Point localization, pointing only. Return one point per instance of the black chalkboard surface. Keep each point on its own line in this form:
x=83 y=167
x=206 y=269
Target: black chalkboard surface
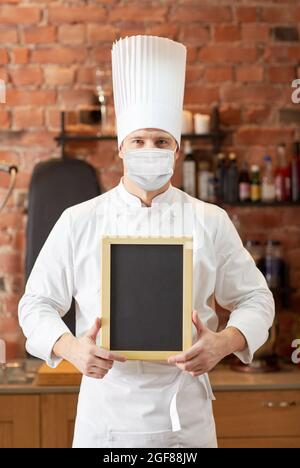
x=146 y=296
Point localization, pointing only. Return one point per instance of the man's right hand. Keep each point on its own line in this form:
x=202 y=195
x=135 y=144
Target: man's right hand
x=84 y=354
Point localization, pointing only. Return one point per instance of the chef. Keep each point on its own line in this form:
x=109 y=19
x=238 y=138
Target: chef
x=135 y=403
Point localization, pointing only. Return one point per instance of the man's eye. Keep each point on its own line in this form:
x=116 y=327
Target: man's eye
x=137 y=141
x=162 y=142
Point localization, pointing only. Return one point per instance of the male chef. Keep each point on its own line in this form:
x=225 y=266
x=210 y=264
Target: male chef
x=135 y=403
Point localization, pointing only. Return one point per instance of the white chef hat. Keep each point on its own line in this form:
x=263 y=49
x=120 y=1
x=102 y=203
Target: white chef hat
x=148 y=82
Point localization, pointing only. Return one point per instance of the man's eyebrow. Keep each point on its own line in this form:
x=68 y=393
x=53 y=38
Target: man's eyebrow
x=158 y=136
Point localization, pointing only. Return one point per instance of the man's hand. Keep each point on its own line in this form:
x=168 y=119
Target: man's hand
x=83 y=353
x=209 y=349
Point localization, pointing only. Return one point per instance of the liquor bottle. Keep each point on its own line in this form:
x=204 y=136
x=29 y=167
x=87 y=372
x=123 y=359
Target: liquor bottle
x=220 y=177
x=282 y=175
x=268 y=181
x=244 y=183
x=255 y=184
x=204 y=181
x=189 y=169
x=295 y=172
x=232 y=180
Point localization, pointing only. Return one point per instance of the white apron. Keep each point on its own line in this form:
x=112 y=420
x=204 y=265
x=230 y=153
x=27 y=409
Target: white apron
x=145 y=404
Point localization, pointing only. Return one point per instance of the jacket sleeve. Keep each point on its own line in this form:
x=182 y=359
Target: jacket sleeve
x=48 y=294
x=242 y=289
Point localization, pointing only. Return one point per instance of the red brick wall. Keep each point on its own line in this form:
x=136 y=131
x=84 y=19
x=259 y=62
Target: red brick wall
x=242 y=56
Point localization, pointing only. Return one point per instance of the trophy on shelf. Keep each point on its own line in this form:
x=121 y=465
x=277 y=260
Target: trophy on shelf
x=103 y=91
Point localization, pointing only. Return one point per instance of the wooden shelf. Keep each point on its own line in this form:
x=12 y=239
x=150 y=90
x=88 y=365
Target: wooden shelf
x=262 y=204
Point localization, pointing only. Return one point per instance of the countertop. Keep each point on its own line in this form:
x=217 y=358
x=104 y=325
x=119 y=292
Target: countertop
x=223 y=379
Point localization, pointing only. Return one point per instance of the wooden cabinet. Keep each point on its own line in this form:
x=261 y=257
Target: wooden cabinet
x=248 y=418
x=19 y=421
x=258 y=418
x=58 y=413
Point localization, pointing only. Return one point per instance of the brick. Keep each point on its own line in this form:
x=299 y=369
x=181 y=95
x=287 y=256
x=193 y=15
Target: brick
x=10 y=263
x=265 y=136
x=30 y=117
x=26 y=76
x=59 y=55
x=19 y=15
x=39 y=35
x=255 y=32
x=194 y=73
x=282 y=53
x=3 y=57
x=164 y=30
x=135 y=13
x=283 y=74
x=205 y=14
x=257 y=94
x=71 y=14
x=227 y=33
x=227 y=54
x=8 y=219
x=39 y=139
x=278 y=14
x=256 y=115
x=218 y=74
x=75 y=97
x=8 y=36
x=199 y=95
x=230 y=115
x=59 y=76
x=195 y=34
x=17 y=97
x=86 y=75
x=71 y=34
x=101 y=54
x=250 y=73
x=4 y=119
x=20 y=56
x=101 y=33
x=245 y=14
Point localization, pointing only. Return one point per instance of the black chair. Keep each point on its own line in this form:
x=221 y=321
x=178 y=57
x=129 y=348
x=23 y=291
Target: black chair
x=55 y=185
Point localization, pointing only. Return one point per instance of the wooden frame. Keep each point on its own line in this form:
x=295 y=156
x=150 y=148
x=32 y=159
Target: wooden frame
x=187 y=243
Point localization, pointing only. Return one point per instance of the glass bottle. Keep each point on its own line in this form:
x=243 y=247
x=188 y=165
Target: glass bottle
x=232 y=180
x=255 y=184
x=244 y=183
x=268 y=181
x=273 y=264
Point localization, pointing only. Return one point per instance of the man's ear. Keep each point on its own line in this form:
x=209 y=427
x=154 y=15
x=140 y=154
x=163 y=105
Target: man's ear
x=121 y=151
x=177 y=151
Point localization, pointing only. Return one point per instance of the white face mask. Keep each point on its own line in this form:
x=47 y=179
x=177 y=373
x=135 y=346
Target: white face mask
x=149 y=168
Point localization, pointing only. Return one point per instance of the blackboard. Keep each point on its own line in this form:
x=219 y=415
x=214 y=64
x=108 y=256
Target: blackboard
x=146 y=296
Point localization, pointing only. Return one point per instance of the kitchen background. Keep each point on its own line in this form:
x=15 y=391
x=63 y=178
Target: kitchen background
x=242 y=59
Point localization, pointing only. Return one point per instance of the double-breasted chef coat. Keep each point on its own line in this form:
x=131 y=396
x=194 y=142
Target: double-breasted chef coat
x=143 y=403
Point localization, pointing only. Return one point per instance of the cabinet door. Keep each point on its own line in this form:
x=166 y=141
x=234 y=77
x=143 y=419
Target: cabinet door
x=19 y=421
x=259 y=416
x=58 y=412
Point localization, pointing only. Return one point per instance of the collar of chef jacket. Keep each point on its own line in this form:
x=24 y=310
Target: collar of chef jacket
x=130 y=199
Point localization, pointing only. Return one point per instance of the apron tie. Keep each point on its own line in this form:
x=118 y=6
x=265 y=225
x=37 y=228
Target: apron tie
x=174 y=416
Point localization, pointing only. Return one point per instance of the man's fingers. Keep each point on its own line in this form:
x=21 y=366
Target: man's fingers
x=106 y=354
x=185 y=356
x=101 y=363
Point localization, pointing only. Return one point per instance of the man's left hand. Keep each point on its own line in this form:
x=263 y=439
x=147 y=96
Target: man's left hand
x=209 y=349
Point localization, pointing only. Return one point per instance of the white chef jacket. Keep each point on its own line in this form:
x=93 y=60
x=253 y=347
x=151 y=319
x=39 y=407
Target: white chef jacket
x=69 y=266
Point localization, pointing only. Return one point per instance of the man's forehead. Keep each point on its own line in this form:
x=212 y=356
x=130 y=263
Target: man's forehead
x=149 y=133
